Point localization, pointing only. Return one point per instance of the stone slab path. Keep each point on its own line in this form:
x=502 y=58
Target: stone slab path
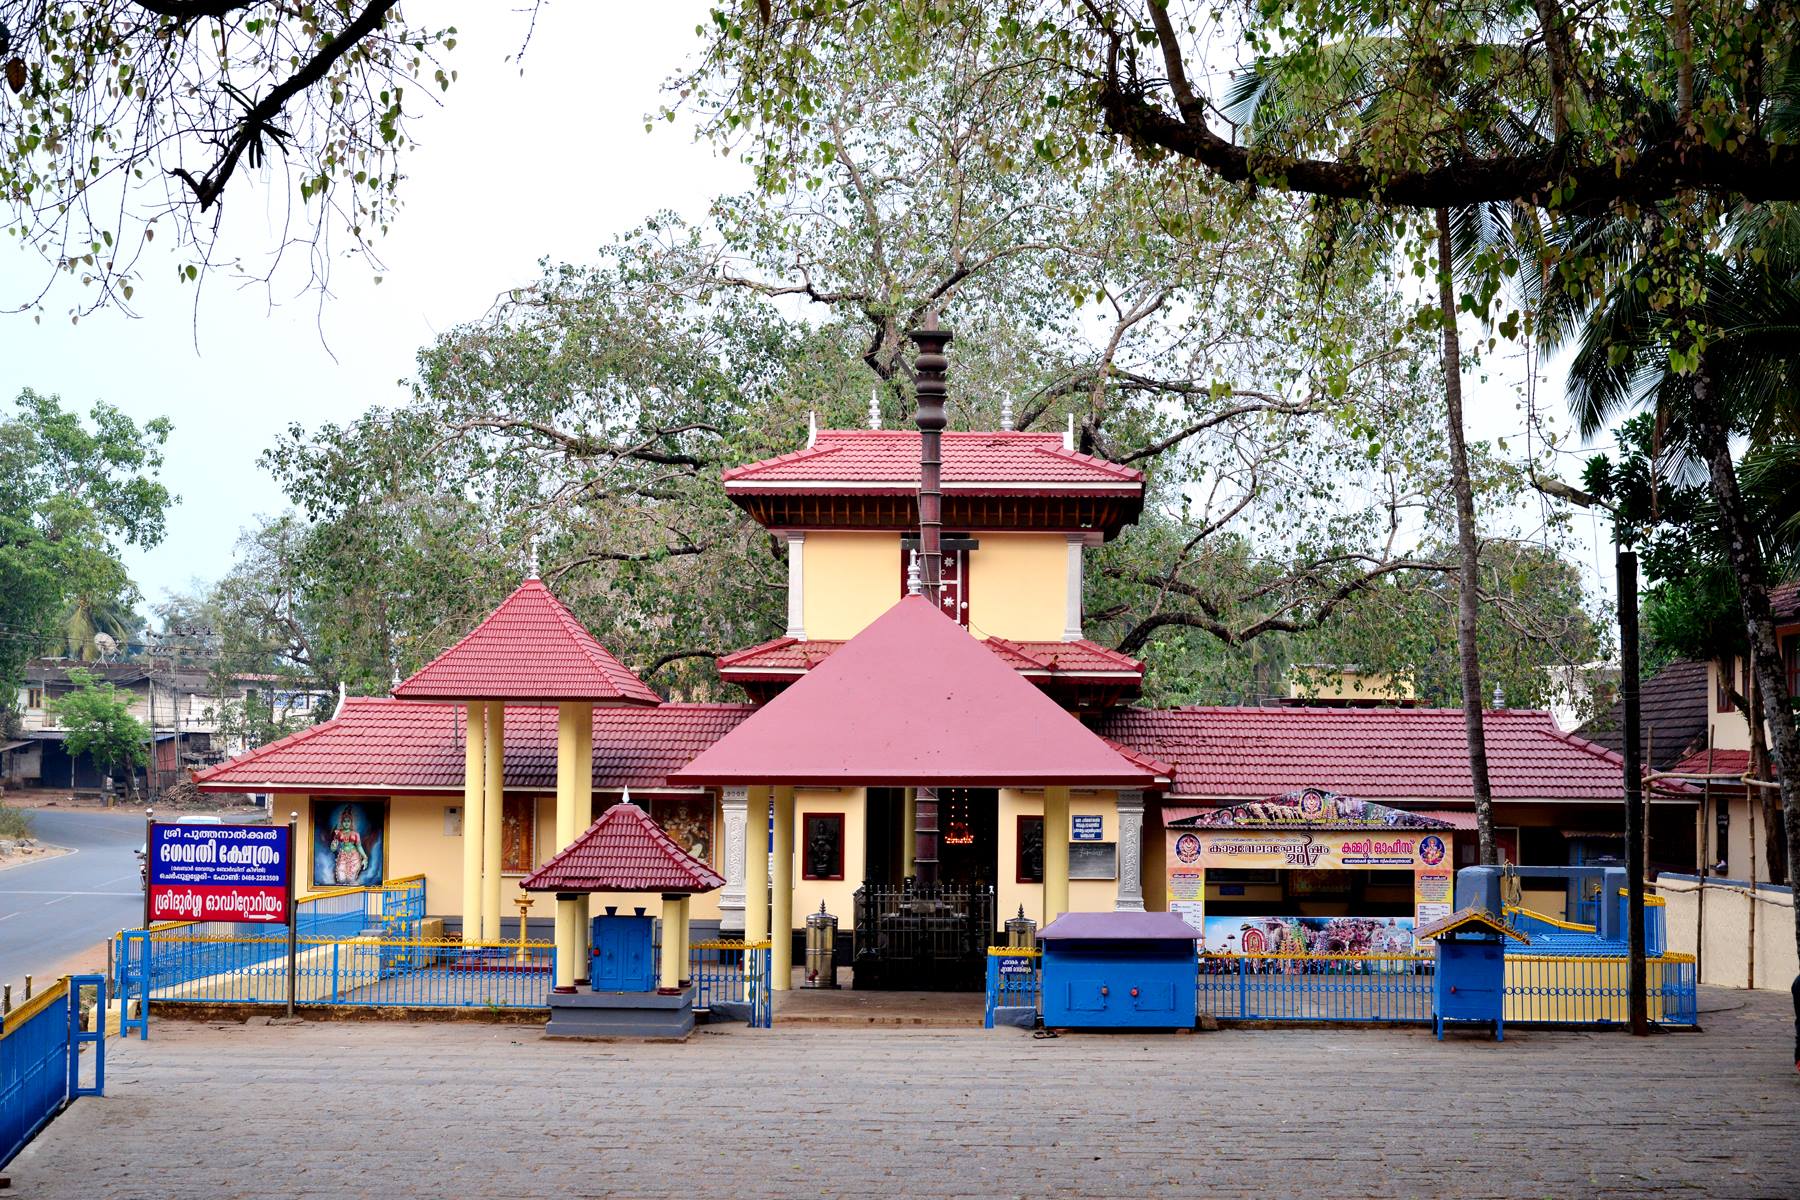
x=348 y=1109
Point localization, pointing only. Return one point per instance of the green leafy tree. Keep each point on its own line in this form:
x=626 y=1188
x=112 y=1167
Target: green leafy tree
x=100 y=725
x=124 y=118
x=72 y=493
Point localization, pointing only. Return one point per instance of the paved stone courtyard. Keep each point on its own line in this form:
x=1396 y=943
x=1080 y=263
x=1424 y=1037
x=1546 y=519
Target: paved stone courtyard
x=345 y=1109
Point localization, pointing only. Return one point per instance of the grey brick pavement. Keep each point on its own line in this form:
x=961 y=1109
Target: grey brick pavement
x=461 y=1110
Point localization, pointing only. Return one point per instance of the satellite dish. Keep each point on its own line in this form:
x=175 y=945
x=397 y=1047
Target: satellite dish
x=105 y=644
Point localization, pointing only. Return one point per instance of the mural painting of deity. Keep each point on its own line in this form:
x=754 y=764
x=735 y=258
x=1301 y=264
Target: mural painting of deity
x=349 y=842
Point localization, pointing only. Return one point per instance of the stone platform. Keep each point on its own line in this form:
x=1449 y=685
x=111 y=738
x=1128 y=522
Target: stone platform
x=584 y=1014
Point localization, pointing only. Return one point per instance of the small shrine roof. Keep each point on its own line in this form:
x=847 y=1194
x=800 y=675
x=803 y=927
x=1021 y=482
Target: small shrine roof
x=1468 y=920
x=623 y=851
x=876 y=461
x=914 y=700
x=1119 y=927
x=529 y=650
x=379 y=745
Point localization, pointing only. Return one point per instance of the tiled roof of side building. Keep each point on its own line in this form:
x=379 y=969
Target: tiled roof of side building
x=377 y=744
x=623 y=851
x=529 y=649
x=1784 y=602
x=888 y=459
x=1673 y=708
x=1374 y=753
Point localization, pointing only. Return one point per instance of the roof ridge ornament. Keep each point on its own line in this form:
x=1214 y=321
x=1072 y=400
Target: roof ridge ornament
x=874 y=408
x=1069 y=437
x=812 y=428
x=912 y=574
x=1006 y=413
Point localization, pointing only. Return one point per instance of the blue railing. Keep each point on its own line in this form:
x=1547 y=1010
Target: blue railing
x=1385 y=988
x=40 y=1059
x=734 y=974
x=1014 y=981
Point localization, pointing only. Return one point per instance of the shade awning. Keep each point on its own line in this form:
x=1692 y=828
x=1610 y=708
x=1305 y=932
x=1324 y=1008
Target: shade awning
x=913 y=700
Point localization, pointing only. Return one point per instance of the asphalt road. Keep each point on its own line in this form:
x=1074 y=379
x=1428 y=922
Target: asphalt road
x=51 y=911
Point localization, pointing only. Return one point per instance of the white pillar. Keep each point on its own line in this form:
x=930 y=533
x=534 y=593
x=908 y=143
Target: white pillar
x=735 y=803
x=1072 y=598
x=796 y=551
x=1131 y=837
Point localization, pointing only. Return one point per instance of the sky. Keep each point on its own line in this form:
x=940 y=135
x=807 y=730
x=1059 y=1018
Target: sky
x=550 y=161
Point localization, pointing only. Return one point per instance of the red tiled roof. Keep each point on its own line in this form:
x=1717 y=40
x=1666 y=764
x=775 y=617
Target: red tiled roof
x=530 y=649
x=1719 y=762
x=913 y=699
x=376 y=744
x=792 y=655
x=887 y=461
x=1784 y=601
x=1375 y=753
x=623 y=851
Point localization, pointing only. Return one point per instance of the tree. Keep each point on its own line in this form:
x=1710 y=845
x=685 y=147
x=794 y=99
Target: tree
x=100 y=725
x=126 y=116
x=71 y=494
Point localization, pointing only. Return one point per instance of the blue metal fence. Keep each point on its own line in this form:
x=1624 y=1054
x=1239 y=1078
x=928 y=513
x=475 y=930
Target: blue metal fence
x=1317 y=987
x=40 y=1059
x=733 y=973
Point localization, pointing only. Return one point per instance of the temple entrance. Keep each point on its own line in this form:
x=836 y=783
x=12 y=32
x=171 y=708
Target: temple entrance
x=912 y=937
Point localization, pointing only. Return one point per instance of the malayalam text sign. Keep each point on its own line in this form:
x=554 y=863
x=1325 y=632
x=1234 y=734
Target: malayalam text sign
x=220 y=873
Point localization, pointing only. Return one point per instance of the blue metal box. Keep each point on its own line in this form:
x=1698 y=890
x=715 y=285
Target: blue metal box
x=1119 y=970
x=1470 y=983
x=622 y=957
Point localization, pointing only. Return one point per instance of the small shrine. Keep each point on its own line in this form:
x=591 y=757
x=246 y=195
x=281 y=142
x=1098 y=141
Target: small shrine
x=625 y=851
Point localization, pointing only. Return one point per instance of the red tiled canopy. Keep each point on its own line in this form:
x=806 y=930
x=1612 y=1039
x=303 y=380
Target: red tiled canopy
x=913 y=700
x=530 y=650
x=882 y=461
x=624 y=851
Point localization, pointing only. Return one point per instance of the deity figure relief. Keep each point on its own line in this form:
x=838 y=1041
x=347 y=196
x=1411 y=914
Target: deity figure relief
x=689 y=830
x=348 y=858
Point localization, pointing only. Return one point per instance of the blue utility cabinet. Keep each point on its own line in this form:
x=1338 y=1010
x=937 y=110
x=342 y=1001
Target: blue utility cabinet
x=1470 y=981
x=622 y=957
x=1119 y=970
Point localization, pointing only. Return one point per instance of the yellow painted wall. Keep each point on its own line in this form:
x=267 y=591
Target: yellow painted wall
x=838 y=895
x=1085 y=895
x=1730 y=731
x=1348 y=683
x=848 y=579
x=1018 y=587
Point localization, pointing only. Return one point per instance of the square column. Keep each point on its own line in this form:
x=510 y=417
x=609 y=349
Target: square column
x=491 y=820
x=474 y=802
x=1072 y=596
x=1131 y=852
x=908 y=848
x=781 y=899
x=756 y=866
x=734 y=803
x=796 y=611
x=683 y=938
x=568 y=911
x=1056 y=853
x=669 y=964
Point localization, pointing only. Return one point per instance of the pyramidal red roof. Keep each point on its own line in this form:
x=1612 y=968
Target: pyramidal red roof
x=885 y=460
x=913 y=700
x=530 y=650
x=624 y=851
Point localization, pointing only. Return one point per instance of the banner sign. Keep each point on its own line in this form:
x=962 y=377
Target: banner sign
x=1086 y=827
x=219 y=873
x=1309 y=851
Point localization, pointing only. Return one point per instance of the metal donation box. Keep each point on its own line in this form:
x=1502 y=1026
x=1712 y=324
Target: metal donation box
x=1470 y=984
x=623 y=959
x=1119 y=970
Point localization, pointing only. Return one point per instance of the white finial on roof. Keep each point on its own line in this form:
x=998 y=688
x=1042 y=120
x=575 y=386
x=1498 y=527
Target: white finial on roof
x=812 y=428
x=1069 y=437
x=1006 y=413
x=531 y=563
x=339 y=710
x=913 y=582
x=874 y=408
x=625 y=796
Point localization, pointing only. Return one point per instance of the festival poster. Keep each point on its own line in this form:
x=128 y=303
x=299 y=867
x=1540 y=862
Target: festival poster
x=1307 y=935
x=349 y=842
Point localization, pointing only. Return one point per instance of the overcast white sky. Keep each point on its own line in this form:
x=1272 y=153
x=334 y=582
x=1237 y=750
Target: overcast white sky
x=513 y=168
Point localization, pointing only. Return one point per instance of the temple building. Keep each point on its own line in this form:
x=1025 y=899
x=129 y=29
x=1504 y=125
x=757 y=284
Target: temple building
x=930 y=746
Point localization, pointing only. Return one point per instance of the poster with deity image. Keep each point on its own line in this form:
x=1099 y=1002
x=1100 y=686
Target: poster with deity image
x=518 y=835
x=688 y=820
x=349 y=842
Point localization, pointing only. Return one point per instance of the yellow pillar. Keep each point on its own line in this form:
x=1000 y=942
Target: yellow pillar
x=568 y=949
x=490 y=823
x=1056 y=853
x=908 y=844
x=668 y=975
x=756 y=866
x=781 y=897
x=683 y=934
x=581 y=778
x=474 y=793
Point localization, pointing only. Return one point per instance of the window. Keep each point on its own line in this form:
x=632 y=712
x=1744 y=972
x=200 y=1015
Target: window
x=953 y=568
x=822 y=846
x=34 y=697
x=1790 y=657
x=518 y=835
x=1030 y=850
